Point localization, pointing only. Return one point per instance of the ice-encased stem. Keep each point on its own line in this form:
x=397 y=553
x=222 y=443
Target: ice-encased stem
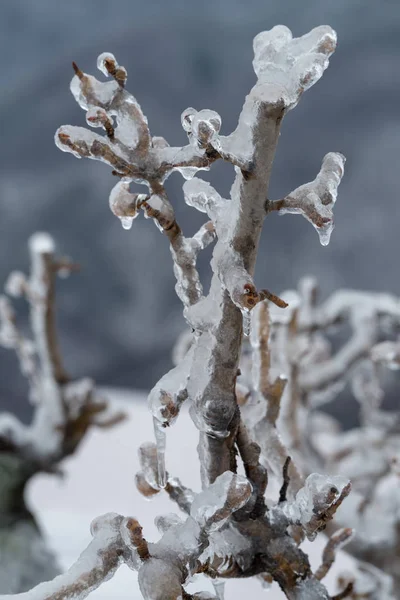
x=212 y=383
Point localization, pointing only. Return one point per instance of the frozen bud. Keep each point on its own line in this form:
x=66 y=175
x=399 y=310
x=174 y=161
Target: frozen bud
x=322 y=491
x=41 y=243
x=124 y=204
x=204 y=126
x=144 y=486
x=96 y=117
x=187 y=118
x=105 y=62
x=163 y=406
x=108 y=65
x=15 y=284
x=63 y=141
x=246 y=297
x=316 y=502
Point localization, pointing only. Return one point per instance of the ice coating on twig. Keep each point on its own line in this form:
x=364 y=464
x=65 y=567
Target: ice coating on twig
x=315 y=200
x=165 y=400
x=288 y=65
x=148 y=479
x=97 y=563
x=285 y=68
x=10 y=337
x=319 y=499
x=63 y=410
x=201 y=195
x=214 y=506
x=124 y=204
x=261 y=414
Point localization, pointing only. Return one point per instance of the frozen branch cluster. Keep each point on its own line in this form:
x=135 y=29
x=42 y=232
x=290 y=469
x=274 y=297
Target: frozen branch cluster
x=63 y=410
x=298 y=344
x=229 y=529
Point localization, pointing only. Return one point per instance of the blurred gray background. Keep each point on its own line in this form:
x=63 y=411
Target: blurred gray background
x=119 y=316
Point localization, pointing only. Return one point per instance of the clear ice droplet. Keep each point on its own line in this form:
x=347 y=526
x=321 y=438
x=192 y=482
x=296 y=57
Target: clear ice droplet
x=126 y=222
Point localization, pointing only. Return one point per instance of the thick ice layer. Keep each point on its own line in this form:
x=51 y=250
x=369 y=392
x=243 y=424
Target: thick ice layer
x=214 y=506
x=316 y=497
x=289 y=66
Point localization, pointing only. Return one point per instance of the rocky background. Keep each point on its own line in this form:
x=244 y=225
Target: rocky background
x=119 y=316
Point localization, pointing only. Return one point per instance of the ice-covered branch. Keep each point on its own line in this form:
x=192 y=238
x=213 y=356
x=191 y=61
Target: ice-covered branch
x=163 y=566
x=306 y=345
x=316 y=503
x=366 y=453
x=316 y=377
x=63 y=410
x=230 y=507
x=230 y=265
x=315 y=200
x=262 y=415
x=98 y=563
x=128 y=146
x=285 y=68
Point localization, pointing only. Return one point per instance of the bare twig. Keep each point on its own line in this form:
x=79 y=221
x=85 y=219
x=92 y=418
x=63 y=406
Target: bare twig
x=286 y=480
x=336 y=541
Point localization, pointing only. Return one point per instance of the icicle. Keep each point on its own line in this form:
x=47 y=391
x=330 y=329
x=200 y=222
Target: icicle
x=219 y=587
x=246 y=322
x=266 y=581
x=159 y=432
x=324 y=232
x=126 y=222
